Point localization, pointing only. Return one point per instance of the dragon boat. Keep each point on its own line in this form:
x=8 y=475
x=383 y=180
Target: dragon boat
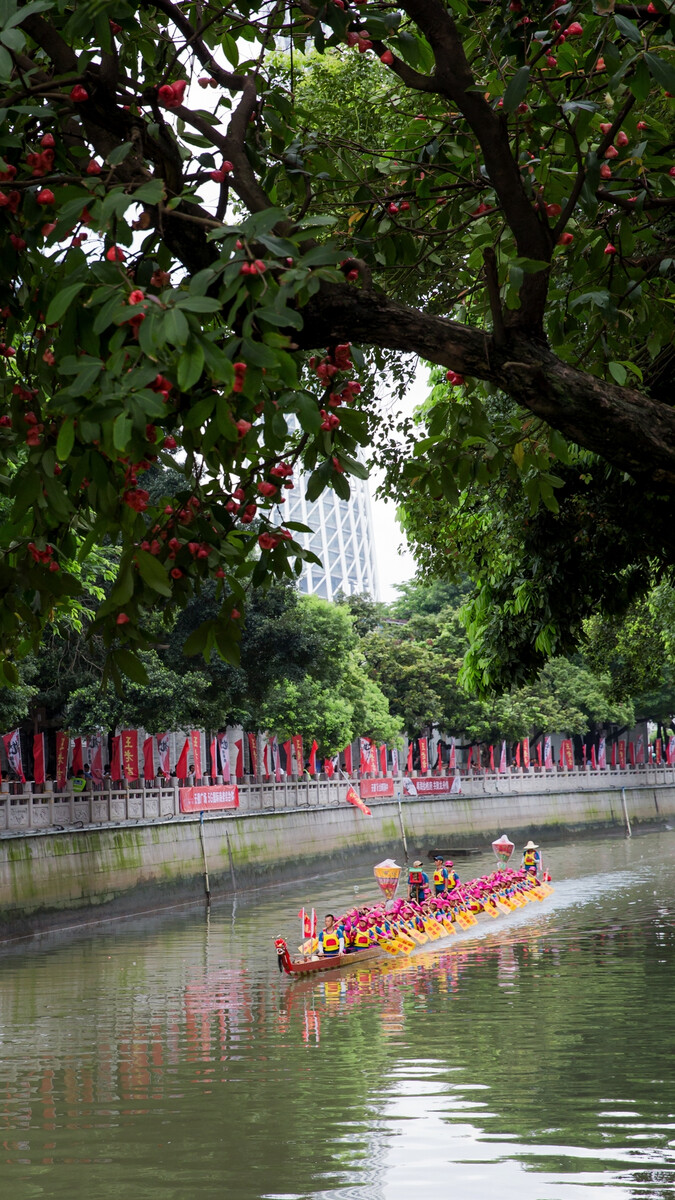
x=400 y=927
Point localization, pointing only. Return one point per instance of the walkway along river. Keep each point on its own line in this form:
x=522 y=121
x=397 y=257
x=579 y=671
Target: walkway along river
x=132 y=850
x=167 y=1058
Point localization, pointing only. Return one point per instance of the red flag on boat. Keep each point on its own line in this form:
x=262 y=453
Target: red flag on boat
x=308 y=923
x=349 y=760
x=148 y=759
x=539 y=753
x=658 y=747
x=182 y=764
x=312 y=757
x=39 y=757
x=353 y=797
x=163 y=753
x=77 y=761
x=526 y=753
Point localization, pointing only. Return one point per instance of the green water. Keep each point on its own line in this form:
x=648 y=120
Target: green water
x=166 y=1058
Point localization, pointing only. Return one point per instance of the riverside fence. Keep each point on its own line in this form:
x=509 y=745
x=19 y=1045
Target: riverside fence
x=51 y=810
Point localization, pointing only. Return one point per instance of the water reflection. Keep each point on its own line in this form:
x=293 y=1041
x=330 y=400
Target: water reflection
x=169 y=1056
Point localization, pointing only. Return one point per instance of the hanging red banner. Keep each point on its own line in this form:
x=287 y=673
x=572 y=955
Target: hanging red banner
x=289 y=759
x=349 y=761
x=569 y=754
x=253 y=752
x=409 y=761
x=95 y=752
x=424 y=755
x=492 y=758
x=622 y=756
x=224 y=751
x=77 y=763
x=163 y=751
x=299 y=756
x=198 y=799
x=239 y=766
x=383 y=759
x=62 y=748
x=526 y=753
x=196 y=743
x=517 y=755
x=370 y=788
x=130 y=753
x=148 y=759
x=116 y=761
x=312 y=757
x=182 y=764
x=658 y=751
x=39 y=757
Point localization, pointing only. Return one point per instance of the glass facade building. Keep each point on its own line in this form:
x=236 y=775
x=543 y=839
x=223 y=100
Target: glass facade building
x=342 y=537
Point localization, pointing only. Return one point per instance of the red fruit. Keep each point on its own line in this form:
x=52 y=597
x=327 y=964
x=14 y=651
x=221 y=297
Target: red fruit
x=482 y=207
x=122 y=619
x=176 y=573
x=672 y=172
x=609 y=249
x=79 y=94
x=453 y=378
x=387 y=58
x=621 y=138
x=48 y=141
x=93 y=168
x=565 y=239
x=54 y=566
x=204 y=81
x=17 y=242
x=115 y=254
x=171 y=94
x=260 y=266
x=404 y=207
x=137 y=296
x=551 y=61
x=392 y=208
x=605 y=171
x=243 y=428
x=5 y=422
x=169 y=442
x=8 y=175
x=605 y=127
x=235 y=614
x=353 y=275
x=217 y=176
x=267 y=541
x=267 y=489
x=611 y=152
x=642 y=125
x=574 y=30
x=114 y=27
x=651 y=8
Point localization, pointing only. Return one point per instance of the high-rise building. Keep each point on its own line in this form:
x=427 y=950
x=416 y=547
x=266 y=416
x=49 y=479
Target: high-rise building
x=342 y=537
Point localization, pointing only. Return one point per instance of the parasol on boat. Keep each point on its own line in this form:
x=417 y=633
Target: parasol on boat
x=503 y=849
x=387 y=874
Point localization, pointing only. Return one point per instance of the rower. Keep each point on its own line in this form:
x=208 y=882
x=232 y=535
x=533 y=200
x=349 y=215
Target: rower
x=531 y=859
x=417 y=882
x=452 y=876
x=440 y=875
x=331 y=938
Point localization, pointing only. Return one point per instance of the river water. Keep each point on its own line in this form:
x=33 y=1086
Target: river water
x=164 y=1057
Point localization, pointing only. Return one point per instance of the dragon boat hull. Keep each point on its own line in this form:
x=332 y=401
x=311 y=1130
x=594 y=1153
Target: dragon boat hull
x=313 y=966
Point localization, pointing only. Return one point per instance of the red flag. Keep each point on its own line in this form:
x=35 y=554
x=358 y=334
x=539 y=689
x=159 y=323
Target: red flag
x=424 y=755
x=452 y=760
x=148 y=759
x=276 y=759
x=289 y=759
x=253 y=751
x=328 y=768
x=224 y=751
x=622 y=755
x=409 y=763
x=492 y=758
x=62 y=747
x=569 y=754
x=349 y=761
x=364 y=753
x=383 y=759
x=468 y=761
x=631 y=754
x=526 y=753
x=77 y=761
x=613 y=754
x=239 y=768
x=196 y=740
x=13 y=751
x=517 y=754
x=658 y=751
x=116 y=760
x=39 y=757
x=130 y=753
x=163 y=753
x=502 y=758
x=214 y=758
x=353 y=797
x=594 y=761
x=266 y=768
x=539 y=753
x=299 y=755
x=312 y=757
x=182 y=764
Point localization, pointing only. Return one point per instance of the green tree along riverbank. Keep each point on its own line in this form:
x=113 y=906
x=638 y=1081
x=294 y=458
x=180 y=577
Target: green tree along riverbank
x=219 y=257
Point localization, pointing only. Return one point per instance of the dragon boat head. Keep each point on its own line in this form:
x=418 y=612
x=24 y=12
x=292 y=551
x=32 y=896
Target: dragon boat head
x=283 y=957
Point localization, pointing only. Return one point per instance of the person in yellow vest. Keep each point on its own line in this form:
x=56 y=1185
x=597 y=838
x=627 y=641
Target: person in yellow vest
x=331 y=938
x=531 y=859
x=440 y=875
x=417 y=882
x=78 y=783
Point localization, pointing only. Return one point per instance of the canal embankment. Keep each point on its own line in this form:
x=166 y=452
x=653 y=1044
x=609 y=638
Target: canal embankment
x=151 y=855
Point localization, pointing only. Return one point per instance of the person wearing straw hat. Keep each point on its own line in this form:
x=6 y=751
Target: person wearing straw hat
x=531 y=859
x=418 y=881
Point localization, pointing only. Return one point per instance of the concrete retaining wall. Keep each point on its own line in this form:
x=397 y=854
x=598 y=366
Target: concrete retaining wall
x=47 y=879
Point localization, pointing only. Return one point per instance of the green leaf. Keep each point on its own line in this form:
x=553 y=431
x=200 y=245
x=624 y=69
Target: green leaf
x=62 y=302
x=122 y=432
x=151 y=192
x=153 y=573
x=130 y=665
x=198 y=304
x=119 y=154
x=190 y=365
x=618 y=372
x=516 y=89
x=628 y=29
x=660 y=70
x=308 y=413
x=66 y=439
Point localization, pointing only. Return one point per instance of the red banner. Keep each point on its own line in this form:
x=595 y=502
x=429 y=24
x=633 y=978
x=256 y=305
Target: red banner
x=328 y=768
x=182 y=764
x=383 y=759
x=289 y=759
x=239 y=766
x=370 y=788
x=569 y=754
x=198 y=799
x=253 y=752
x=116 y=761
x=62 y=747
x=409 y=763
x=39 y=757
x=196 y=743
x=492 y=758
x=353 y=797
x=130 y=753
x=224 y=751
x=349 y=761
x=299 y=756
x=77 y=763
x=622 y=756
x=517 y=755
x=631 y=754
x=95 y=752
x=312 y=757
x=658 y=751
x=613 y=754
x=452 y=759
x=526 y=753
x=424 y=755
x=148 y=759
x=163 y=753
x=434 y=787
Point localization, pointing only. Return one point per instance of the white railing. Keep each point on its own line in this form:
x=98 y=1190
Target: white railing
x=30 y=808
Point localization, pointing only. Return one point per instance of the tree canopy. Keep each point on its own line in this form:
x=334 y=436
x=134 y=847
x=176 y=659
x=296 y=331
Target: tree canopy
x=204 y=268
